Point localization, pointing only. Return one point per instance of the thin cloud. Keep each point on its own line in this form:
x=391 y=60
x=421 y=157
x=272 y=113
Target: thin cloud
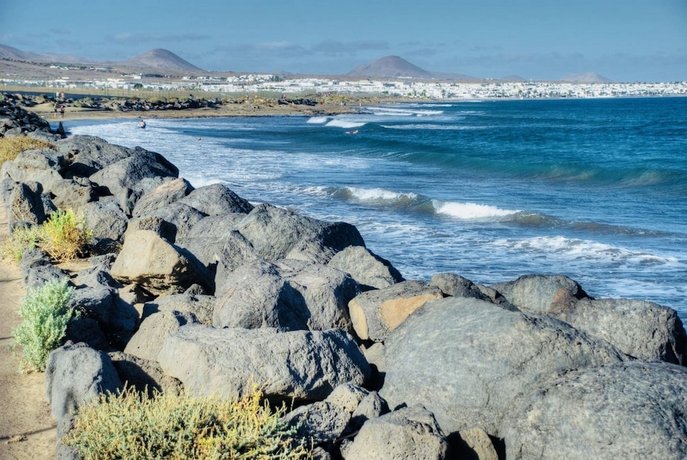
x=339 y=48
x=127 y=38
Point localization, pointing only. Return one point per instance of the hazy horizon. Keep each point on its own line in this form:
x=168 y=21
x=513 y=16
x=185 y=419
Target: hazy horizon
x=621 y=40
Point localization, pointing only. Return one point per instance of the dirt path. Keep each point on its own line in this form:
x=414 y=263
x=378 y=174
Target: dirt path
x=27 y=430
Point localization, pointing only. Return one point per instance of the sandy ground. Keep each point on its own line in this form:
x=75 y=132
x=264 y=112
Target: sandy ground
x=27 y=430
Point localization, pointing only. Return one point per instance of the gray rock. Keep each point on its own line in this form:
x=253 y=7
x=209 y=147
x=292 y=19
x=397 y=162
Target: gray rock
x=161 y=227
x=217 y=199
x=40 y=166
x=641 y=329
x=266 y=295
x=276 y=233
x=181 y=216
x=237 y=251
x=299 y=365
x=106 y=220
x=367 y=268
x=456 y=286
x=147 y=341
x=411 y=432
x=476 y=444
x=480 y=359
x=72 y=193
x=74 y=376
x=145 y=376
x=128 y=179
x=624 y=410
x=206 y=238
x=87 y=330
x=161 y=196
x=157 y=265
x=26 y=205
x=542 y=294
x=38 y=275
x=199 y=305
x=85 y=155
x=32 y=258
x=376 y=313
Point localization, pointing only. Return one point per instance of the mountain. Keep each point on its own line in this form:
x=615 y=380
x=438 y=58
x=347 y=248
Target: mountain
x=389 y=66
x=14 y=54
x=588 y=77
x=161 y=59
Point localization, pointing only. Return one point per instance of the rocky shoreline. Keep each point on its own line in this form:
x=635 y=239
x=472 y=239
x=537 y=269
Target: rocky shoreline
x=198 y=290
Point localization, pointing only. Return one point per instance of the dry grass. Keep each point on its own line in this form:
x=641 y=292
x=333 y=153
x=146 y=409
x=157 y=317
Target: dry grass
x=12 y=146
x=137 y=427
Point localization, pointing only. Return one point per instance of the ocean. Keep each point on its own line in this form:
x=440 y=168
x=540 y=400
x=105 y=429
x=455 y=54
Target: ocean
x=595 y=189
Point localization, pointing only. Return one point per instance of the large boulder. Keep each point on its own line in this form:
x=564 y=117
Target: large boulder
x=408 y=433
x=151 y=334
x=86 y=155
x=217 y=199
x=290 y=298
x=161 y=196
x=42 y=166
x=275 y=233
x=76 y=375
x=181 y=216
x=26 y=205
x=199 y=305
x=128 y=179
x=143 y=375
x=366 y=267
x=376 y=313
x=644 y=330
x=480 y=359
x=106 y=220
x=298 y=365
x=454 y=285
x=150 y=261
x=206 y=238
x=623 y=410
x=542 y=294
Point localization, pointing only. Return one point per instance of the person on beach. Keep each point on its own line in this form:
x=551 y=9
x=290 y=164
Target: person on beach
x=62 y=110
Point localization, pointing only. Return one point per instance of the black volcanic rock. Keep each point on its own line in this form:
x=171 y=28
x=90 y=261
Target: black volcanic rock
x=390 y=66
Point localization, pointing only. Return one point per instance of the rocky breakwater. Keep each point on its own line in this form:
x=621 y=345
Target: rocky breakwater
x=199 y=289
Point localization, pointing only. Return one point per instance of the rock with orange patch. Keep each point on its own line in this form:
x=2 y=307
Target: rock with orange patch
x=376 y=313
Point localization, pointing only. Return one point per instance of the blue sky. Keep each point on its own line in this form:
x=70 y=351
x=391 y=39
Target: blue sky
x=629 y=40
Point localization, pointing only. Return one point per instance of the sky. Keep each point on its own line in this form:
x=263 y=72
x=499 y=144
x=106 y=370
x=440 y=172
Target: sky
x=624 y=40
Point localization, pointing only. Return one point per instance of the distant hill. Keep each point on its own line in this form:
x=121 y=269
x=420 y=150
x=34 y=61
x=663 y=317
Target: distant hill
x=588 y=77
x=14 y=54
x=161 y=59
x=390 y=67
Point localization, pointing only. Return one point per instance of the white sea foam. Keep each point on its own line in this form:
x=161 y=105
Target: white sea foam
x=379 y=195
x=318 y=120
x=470 y=211
x=586 y=250
x=404 y=112
x=346 y=124
x=428 y=126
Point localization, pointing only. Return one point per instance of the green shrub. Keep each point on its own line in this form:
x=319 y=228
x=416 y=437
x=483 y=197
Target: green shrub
x=134 y=426
x=21 y=240
x=12 y=146
x=45 y=313
x=64 y=236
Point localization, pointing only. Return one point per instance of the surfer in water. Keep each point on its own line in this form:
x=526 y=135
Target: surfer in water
x=142 y=124
x=355 y=131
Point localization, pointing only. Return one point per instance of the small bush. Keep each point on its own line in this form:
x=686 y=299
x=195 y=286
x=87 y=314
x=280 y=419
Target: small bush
x=21 y=240
x=134 y=426
x=12 y=146
x=65 y=235
x=45 y=313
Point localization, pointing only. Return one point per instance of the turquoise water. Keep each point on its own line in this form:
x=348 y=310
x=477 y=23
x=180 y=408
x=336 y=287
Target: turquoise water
x=594 y=189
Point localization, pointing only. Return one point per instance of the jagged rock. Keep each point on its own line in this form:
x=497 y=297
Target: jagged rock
x=106 y=220
x=32 y=258
x=274 y=233
x=644 y=330
x=86 y=155
x=86 y=330
x=72 y=193
x=147 y=341
x=298 y=365
x=456 y=286
x=324 y=422
x=181 y=216
x=411 y=432
x=128 y=179
x=367 y=268
x=542 y=294
x=483 y=357
x=74 y=376
x=40 y=166
x=199 y=305
x=623 y=410
x=161 y=196
x=133 y=294
x=266 y=295
x=26 y=205
x=376 y=313
x=155 y=224
x=476 y=444
x=143 y=375
x=206 y=238
x=38 y=275
x=155 y=264
x=217 y=199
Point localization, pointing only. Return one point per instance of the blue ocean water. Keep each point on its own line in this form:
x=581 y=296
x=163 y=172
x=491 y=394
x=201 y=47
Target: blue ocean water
x=594 y=189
